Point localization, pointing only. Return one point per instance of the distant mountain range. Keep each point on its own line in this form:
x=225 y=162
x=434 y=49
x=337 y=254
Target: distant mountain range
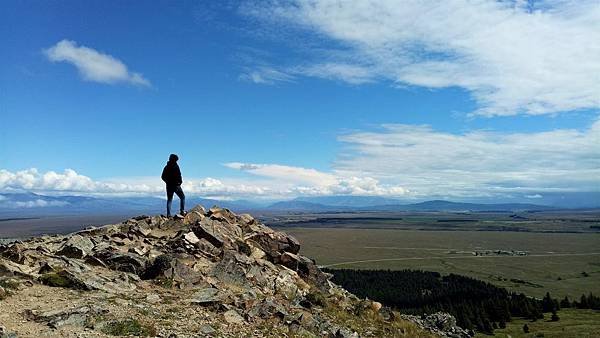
x=32 y=204
x=436 y=205
x=29 y=204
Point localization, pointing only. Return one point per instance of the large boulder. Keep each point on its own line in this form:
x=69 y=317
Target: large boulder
x=122 y=261
x=218 y=233
x=274 y=243
x=76 y=246
x=15 y=252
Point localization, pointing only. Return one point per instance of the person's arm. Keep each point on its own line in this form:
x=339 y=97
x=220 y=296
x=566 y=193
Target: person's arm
x=164 y=174
x=178 y=175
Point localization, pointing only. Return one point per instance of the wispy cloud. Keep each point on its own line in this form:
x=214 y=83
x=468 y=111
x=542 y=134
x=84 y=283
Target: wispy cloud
x=353 y=74
x=94 y=65
x=513 y=58
x=479 y=163
x=265 y=75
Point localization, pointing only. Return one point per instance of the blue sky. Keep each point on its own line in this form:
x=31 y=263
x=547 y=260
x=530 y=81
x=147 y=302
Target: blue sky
x=282 y=99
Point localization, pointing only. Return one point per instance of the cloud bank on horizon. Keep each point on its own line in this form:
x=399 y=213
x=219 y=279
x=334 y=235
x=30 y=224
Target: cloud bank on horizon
x=514 y=57
x=403 y=161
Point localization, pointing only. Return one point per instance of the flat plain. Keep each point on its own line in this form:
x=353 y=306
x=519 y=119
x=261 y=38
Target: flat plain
x=562 y=263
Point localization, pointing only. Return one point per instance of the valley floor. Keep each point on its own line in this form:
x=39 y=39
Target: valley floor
x=564 y=264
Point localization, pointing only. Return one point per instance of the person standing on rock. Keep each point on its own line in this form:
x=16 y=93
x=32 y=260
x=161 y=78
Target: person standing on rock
x=171 y=175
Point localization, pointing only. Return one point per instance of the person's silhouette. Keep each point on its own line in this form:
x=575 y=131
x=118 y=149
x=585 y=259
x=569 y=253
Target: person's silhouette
x=171 y=175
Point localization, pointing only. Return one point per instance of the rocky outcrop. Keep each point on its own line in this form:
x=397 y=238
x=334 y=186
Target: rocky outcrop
x=226 y=267
x=440 y=323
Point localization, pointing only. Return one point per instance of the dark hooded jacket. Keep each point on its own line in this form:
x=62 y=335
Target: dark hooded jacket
x=171 y=174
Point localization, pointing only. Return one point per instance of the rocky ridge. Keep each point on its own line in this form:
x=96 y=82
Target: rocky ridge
x=213 y=273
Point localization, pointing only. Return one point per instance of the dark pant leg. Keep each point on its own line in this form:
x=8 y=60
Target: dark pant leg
x=170 y=191
x=181 y=196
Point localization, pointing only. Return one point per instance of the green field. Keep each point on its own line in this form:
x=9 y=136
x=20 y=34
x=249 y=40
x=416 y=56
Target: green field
x=564 y=264
x=572 y=323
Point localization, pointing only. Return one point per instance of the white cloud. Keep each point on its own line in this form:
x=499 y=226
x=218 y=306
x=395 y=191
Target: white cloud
x=31 y=179
x=266 y=75
x=38 y=203
x=71 y=182
x=292 y=181
x=479 y=163
x=93 y=65
x=514 y=58
x=408 y=161
x=287 y=173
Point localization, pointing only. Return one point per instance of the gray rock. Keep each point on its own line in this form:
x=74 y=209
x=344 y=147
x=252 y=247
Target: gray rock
x=76 y=246
x=440 y=323
x=141 y=217
x=91 y=260
x=159 y=267
x=230 y=270
x=193 y=217
x=206 y=296
x=222 y=215
x=61 y=317
x=206 y=230
x=199 y=209
x=268 y=309
x=153 y=298
x=184 y=275
x=206 y=329
x=191 y=238
x=127 y=262
x=10 y=268
x=14 y=252
x=343 y=332
x=207 y=248
x=4 y=333
x=233 y=317
x=275 y=243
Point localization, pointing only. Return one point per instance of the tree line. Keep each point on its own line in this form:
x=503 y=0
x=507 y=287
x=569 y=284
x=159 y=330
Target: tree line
x=585 y=302
x=476 y=304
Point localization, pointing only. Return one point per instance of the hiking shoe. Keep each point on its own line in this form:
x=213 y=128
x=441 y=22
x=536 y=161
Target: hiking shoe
x=178 y=216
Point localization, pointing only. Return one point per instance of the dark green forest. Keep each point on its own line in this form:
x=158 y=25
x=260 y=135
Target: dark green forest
x=476 y=304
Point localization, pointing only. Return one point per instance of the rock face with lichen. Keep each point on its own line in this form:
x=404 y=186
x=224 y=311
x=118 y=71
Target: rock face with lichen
x=214 y=273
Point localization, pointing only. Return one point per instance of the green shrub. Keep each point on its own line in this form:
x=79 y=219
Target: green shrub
x=128 y=327
x=9 y=284
x=55 y=279
x=315 y=297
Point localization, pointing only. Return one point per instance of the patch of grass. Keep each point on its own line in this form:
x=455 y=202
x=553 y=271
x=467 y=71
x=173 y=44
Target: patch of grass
x=316 y=297
x=371 y=323
x=572 y=323
x=165 y=283
x=55 y=279
x=144 y=312
x=9 y=284
x=129 y=327
x=174 y=309
x=63 y=279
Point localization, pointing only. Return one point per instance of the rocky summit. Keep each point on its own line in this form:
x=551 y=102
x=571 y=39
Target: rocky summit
x=213 y=273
